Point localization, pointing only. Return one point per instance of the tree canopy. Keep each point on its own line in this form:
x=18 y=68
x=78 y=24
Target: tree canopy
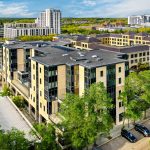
x=88 y=116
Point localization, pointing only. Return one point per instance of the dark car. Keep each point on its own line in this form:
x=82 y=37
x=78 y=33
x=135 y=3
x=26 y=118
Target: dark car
x=142 y=129
x=128 y=135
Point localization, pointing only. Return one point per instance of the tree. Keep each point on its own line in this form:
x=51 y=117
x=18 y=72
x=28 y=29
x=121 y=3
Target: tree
x=48 y=141
x=13 y=140
x=136 y=94
x=19 y=101
x=88 y=116
x=5 y=91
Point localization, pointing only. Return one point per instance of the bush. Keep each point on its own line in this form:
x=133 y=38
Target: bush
x=19 y=101
x=6 y=91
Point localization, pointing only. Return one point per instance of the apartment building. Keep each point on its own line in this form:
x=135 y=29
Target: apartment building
x=138 y=20
x=49 y=22
x=135 y=54
x=44 y=72
x=127 y=39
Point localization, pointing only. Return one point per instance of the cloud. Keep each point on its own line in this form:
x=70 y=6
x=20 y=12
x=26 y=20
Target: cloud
x=14 y=9
x=110 y=8
x=89 y=3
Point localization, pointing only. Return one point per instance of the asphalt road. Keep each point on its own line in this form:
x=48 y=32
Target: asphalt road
x=121 y=143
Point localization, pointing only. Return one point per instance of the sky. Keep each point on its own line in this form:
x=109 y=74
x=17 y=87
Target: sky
x=75 y=8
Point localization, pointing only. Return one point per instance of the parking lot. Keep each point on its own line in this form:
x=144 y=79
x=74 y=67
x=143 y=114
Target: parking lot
x=121 y=143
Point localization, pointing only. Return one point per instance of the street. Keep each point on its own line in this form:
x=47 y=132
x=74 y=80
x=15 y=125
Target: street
x=121 y=143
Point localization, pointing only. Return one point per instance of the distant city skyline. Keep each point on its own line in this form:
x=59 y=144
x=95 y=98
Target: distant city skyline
x=75 y=8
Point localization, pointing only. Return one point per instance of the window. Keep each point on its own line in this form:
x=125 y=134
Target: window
x=132 y=56
x=135 y=55
x=33 y=66
x=40 y=81
x=40 y=105
x=119 y=92
x=119 y=80
x=33 y=99
x=143 y=59
x=144 y=54
x=44 y=108
x=120 y=117
x=119 y=69
x=140 y=54
x=34 y=77
x=40 y=93
x=40 y=70
x=101 y=73
x=132 y=61
x=120 y=104
x=34 y=88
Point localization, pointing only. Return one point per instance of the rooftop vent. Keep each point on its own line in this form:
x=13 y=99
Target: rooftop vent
x=81 y=55
x=94 y=56
x=38 y=45
x=64 y=54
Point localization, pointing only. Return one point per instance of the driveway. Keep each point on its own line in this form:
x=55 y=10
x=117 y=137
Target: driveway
x=10 y=118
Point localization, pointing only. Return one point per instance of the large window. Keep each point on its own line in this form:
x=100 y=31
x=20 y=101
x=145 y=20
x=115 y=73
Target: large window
x=89 y=76
x=50 y=82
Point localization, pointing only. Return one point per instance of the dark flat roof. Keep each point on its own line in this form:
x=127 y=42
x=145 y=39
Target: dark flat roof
x=89 y=59
x=127 y=49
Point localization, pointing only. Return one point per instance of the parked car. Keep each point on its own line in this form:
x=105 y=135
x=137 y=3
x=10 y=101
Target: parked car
x=142 y=129
x=128 y=135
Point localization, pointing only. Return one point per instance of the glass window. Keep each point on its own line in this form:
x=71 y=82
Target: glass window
x=119 y=69
x=132 y=55
x=119 y=80
x=101 y=74
x=140 y=54
x=120 y=104
x=120 y=117
x=132 y=61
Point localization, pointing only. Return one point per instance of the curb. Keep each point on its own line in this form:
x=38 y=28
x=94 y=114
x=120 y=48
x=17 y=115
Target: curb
x=22 y=115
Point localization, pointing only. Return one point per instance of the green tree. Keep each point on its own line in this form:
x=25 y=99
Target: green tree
x=88 y=116
x=48 y=141
x=6 y=91
x=19 y=101
x=136 y=94
x=13 y=140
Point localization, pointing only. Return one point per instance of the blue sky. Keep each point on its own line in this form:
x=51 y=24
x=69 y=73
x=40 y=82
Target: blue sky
x=75 y=8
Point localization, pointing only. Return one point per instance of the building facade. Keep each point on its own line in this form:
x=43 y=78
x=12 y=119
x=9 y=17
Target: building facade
x=135 y=54
x=138 y=20
x=49 y=22
x=43 y=73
